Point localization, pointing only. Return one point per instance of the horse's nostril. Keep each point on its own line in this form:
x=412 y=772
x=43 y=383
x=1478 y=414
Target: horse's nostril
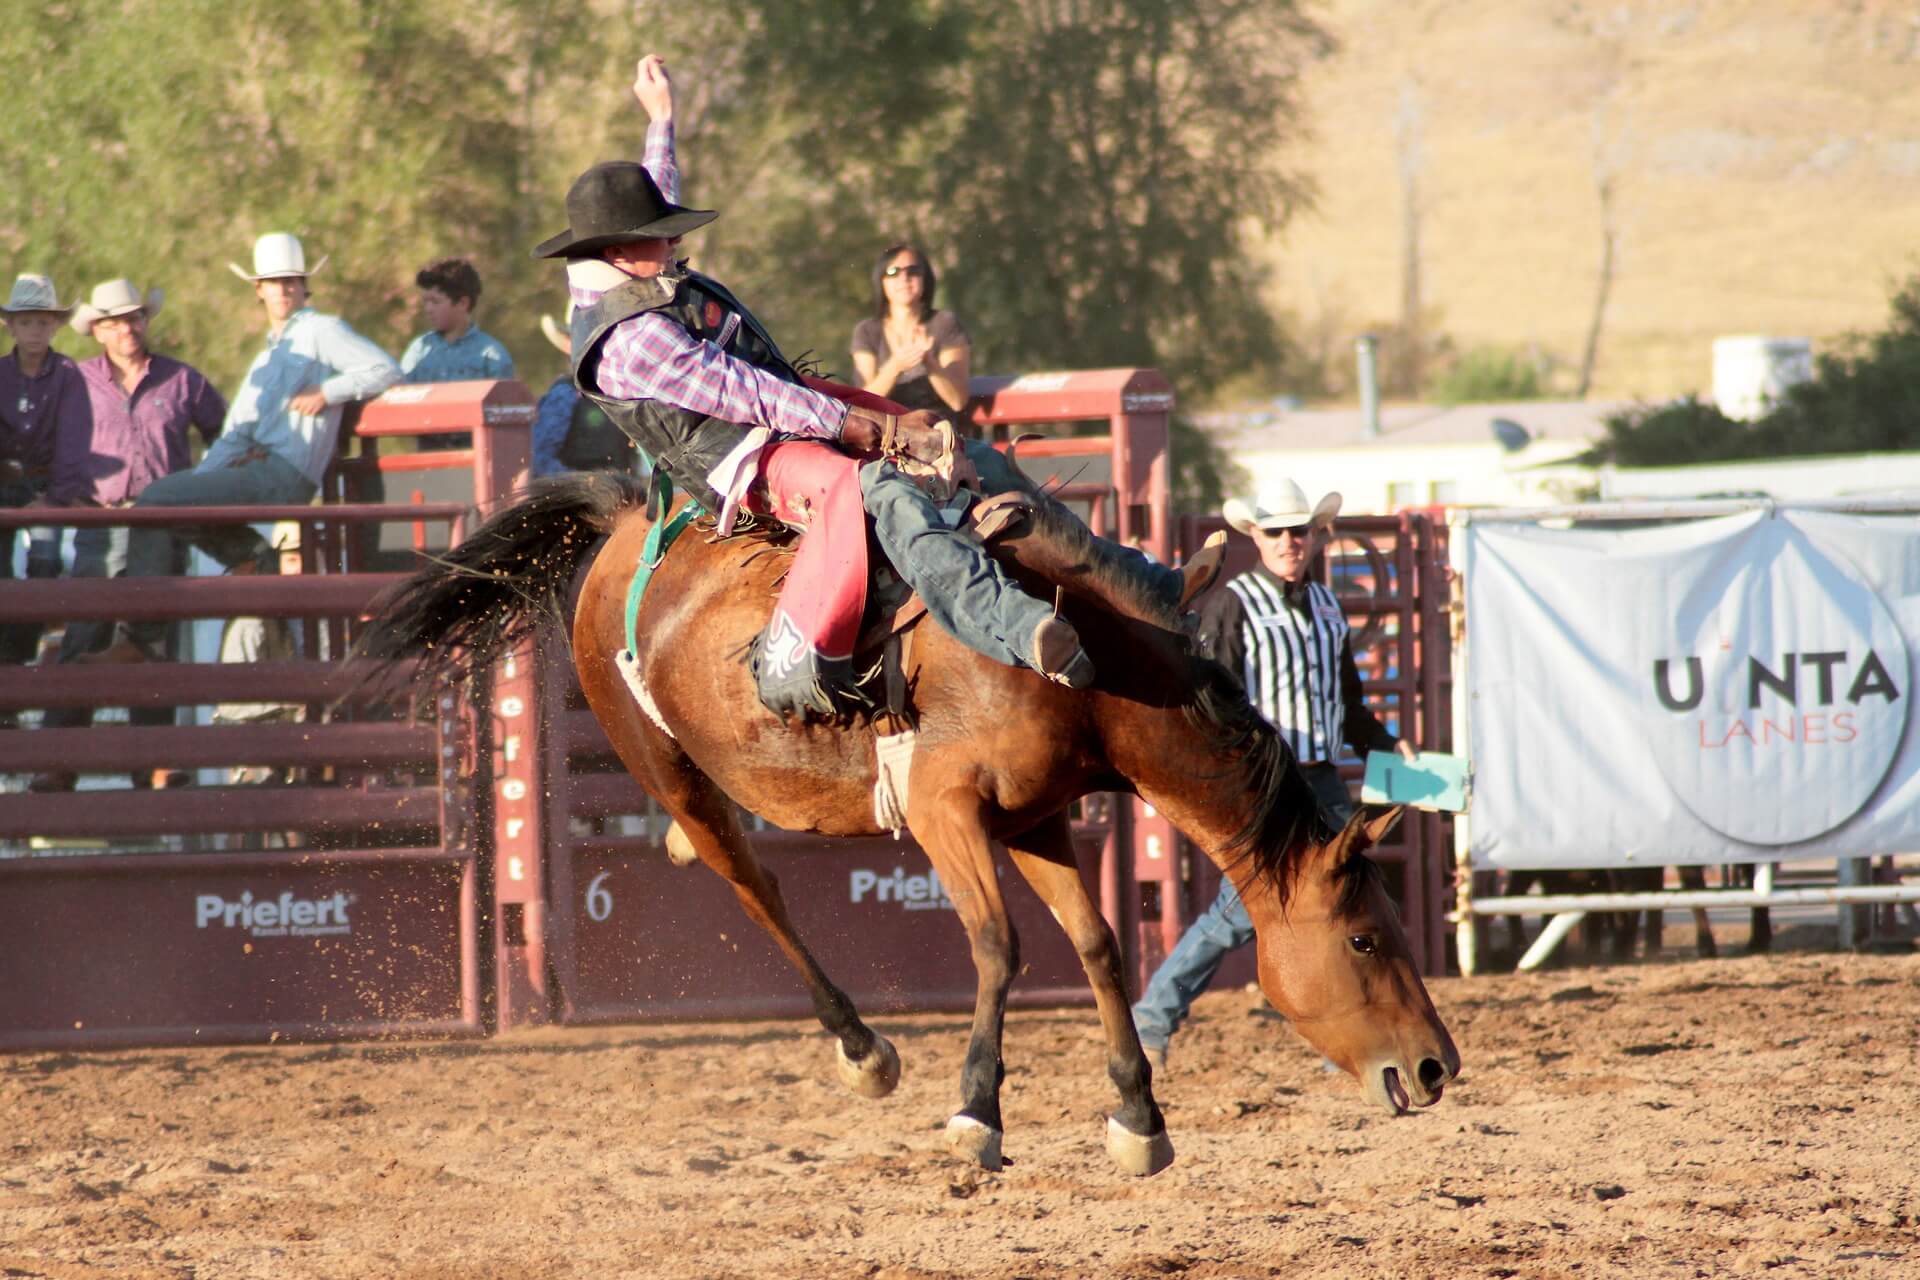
x=1432 y=1074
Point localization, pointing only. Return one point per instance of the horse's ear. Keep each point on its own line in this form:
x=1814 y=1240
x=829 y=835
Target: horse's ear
x=1377 y=820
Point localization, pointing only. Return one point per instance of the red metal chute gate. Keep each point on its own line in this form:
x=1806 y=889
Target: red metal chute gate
x=338 y=897
x=540 y=850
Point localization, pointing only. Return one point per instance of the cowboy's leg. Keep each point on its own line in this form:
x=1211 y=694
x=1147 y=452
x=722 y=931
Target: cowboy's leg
x=153 y=552
x=967 y=593
x=804 y=659
x=1189 y=968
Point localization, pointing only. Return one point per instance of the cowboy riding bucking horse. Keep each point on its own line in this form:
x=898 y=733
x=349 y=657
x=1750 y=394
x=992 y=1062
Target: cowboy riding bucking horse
x=686 y=371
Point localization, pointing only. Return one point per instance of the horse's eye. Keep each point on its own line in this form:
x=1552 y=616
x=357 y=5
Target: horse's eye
x=1364 y=944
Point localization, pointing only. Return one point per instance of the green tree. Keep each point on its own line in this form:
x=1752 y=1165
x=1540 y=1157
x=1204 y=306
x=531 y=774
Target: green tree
x=158 y=138
x=1086 y=176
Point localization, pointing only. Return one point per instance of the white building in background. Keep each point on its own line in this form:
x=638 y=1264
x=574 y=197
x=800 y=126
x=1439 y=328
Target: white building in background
x=1514 y=455
x=1501 y=455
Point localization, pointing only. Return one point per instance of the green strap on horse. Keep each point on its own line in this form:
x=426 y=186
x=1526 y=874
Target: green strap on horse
x=659 y=539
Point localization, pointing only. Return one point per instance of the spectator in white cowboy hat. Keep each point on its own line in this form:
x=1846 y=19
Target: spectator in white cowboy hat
x=42 y=399
x=570 y=432
x=143 y=404
x=1284 y=636
x=279 y=433
x=453 y=349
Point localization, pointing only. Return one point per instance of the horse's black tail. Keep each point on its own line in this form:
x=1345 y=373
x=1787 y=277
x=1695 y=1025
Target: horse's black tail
x=490 y=593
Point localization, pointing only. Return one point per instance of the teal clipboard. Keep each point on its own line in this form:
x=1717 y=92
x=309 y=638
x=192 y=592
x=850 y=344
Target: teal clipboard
x=1433 y=781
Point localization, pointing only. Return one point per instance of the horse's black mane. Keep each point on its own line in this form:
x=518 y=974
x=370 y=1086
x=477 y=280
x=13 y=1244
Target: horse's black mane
x=1099 y=570
x=1284 y=821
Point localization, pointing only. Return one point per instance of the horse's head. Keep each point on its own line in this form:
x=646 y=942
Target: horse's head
x=1334 y=959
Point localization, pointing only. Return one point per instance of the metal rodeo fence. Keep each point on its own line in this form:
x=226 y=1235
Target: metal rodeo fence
x=326 y=883
x=629 y=936
x=1390 y=573
x=330 y=894
x=1710 y=682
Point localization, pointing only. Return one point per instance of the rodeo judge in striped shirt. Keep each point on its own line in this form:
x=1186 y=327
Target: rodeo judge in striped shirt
x=1285 y=638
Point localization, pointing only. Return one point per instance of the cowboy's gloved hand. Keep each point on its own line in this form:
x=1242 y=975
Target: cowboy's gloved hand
x=926 y=451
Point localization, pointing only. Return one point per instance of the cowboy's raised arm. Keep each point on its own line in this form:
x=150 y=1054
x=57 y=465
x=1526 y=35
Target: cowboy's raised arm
x=653 y=90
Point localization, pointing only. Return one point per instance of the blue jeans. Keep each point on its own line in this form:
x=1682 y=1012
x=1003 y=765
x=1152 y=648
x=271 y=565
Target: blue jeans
x=965 y=589
x=155 y=551
x=1189 y=968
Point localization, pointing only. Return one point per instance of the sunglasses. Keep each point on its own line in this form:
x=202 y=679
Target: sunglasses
x=893 y=271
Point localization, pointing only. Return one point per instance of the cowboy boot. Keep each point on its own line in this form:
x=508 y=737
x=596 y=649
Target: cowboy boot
x=794 y=678
x=1057 y=654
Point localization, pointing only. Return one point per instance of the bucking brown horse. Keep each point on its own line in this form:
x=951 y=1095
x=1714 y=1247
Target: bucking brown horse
x=999 y=755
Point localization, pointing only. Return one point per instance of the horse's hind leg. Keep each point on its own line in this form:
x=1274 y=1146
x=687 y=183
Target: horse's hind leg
x=949 y=824
x=710 y=824
x=1137 y=1133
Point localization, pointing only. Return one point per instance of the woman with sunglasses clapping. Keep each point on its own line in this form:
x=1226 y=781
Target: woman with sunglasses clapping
x=906 y=350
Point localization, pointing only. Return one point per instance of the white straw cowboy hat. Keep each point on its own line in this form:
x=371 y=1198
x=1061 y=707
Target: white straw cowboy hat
x=34 y=293
x=1282 y=505
x=115 y=298
x=276 y=256
x=562 y=339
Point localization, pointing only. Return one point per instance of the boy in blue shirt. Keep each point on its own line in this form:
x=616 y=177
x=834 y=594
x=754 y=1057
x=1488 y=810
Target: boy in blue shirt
x=453 y=349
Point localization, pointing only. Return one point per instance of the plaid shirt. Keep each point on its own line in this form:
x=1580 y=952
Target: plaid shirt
x=649 y=357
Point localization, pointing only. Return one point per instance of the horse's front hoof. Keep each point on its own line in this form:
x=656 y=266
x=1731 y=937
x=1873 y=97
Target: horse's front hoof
x=875 y=1075
x=976 y=1141
x=1141 y=1157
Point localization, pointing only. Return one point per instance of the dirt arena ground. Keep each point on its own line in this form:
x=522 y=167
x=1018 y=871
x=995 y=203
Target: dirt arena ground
x=1686 y=1118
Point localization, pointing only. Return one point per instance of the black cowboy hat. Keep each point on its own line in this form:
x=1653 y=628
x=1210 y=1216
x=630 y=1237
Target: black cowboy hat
x=618 y=202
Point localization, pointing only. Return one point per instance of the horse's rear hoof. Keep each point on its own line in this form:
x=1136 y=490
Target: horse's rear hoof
x=976 y=1141
x=875 y=1075
x=1141 y=1157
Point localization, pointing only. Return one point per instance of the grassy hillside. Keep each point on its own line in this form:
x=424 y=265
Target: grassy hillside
x=1764 y=157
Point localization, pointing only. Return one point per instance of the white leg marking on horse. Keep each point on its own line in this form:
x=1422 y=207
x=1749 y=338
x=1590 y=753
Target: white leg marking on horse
x=630 y=672
x=875 y=1075
x=1141 y=1157
x=679 y=848
x=976 y=1141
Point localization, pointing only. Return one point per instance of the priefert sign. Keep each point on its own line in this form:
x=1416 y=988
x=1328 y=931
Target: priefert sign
x=911 y=893
x=287 y=915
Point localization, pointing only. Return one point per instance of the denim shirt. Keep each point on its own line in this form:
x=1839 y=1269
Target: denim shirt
x=471 y=356
x=311 y=350
x=550 y=423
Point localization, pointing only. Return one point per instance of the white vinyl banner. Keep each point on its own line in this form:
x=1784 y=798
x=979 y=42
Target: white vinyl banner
x=1735 y=689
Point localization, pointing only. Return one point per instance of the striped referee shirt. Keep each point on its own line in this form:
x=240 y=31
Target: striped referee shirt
x=1291 y=649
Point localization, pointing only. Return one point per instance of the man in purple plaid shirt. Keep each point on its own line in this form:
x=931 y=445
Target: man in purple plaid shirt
x=686 y=370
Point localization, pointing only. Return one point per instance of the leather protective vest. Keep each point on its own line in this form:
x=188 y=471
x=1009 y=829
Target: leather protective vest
x=687 y=444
